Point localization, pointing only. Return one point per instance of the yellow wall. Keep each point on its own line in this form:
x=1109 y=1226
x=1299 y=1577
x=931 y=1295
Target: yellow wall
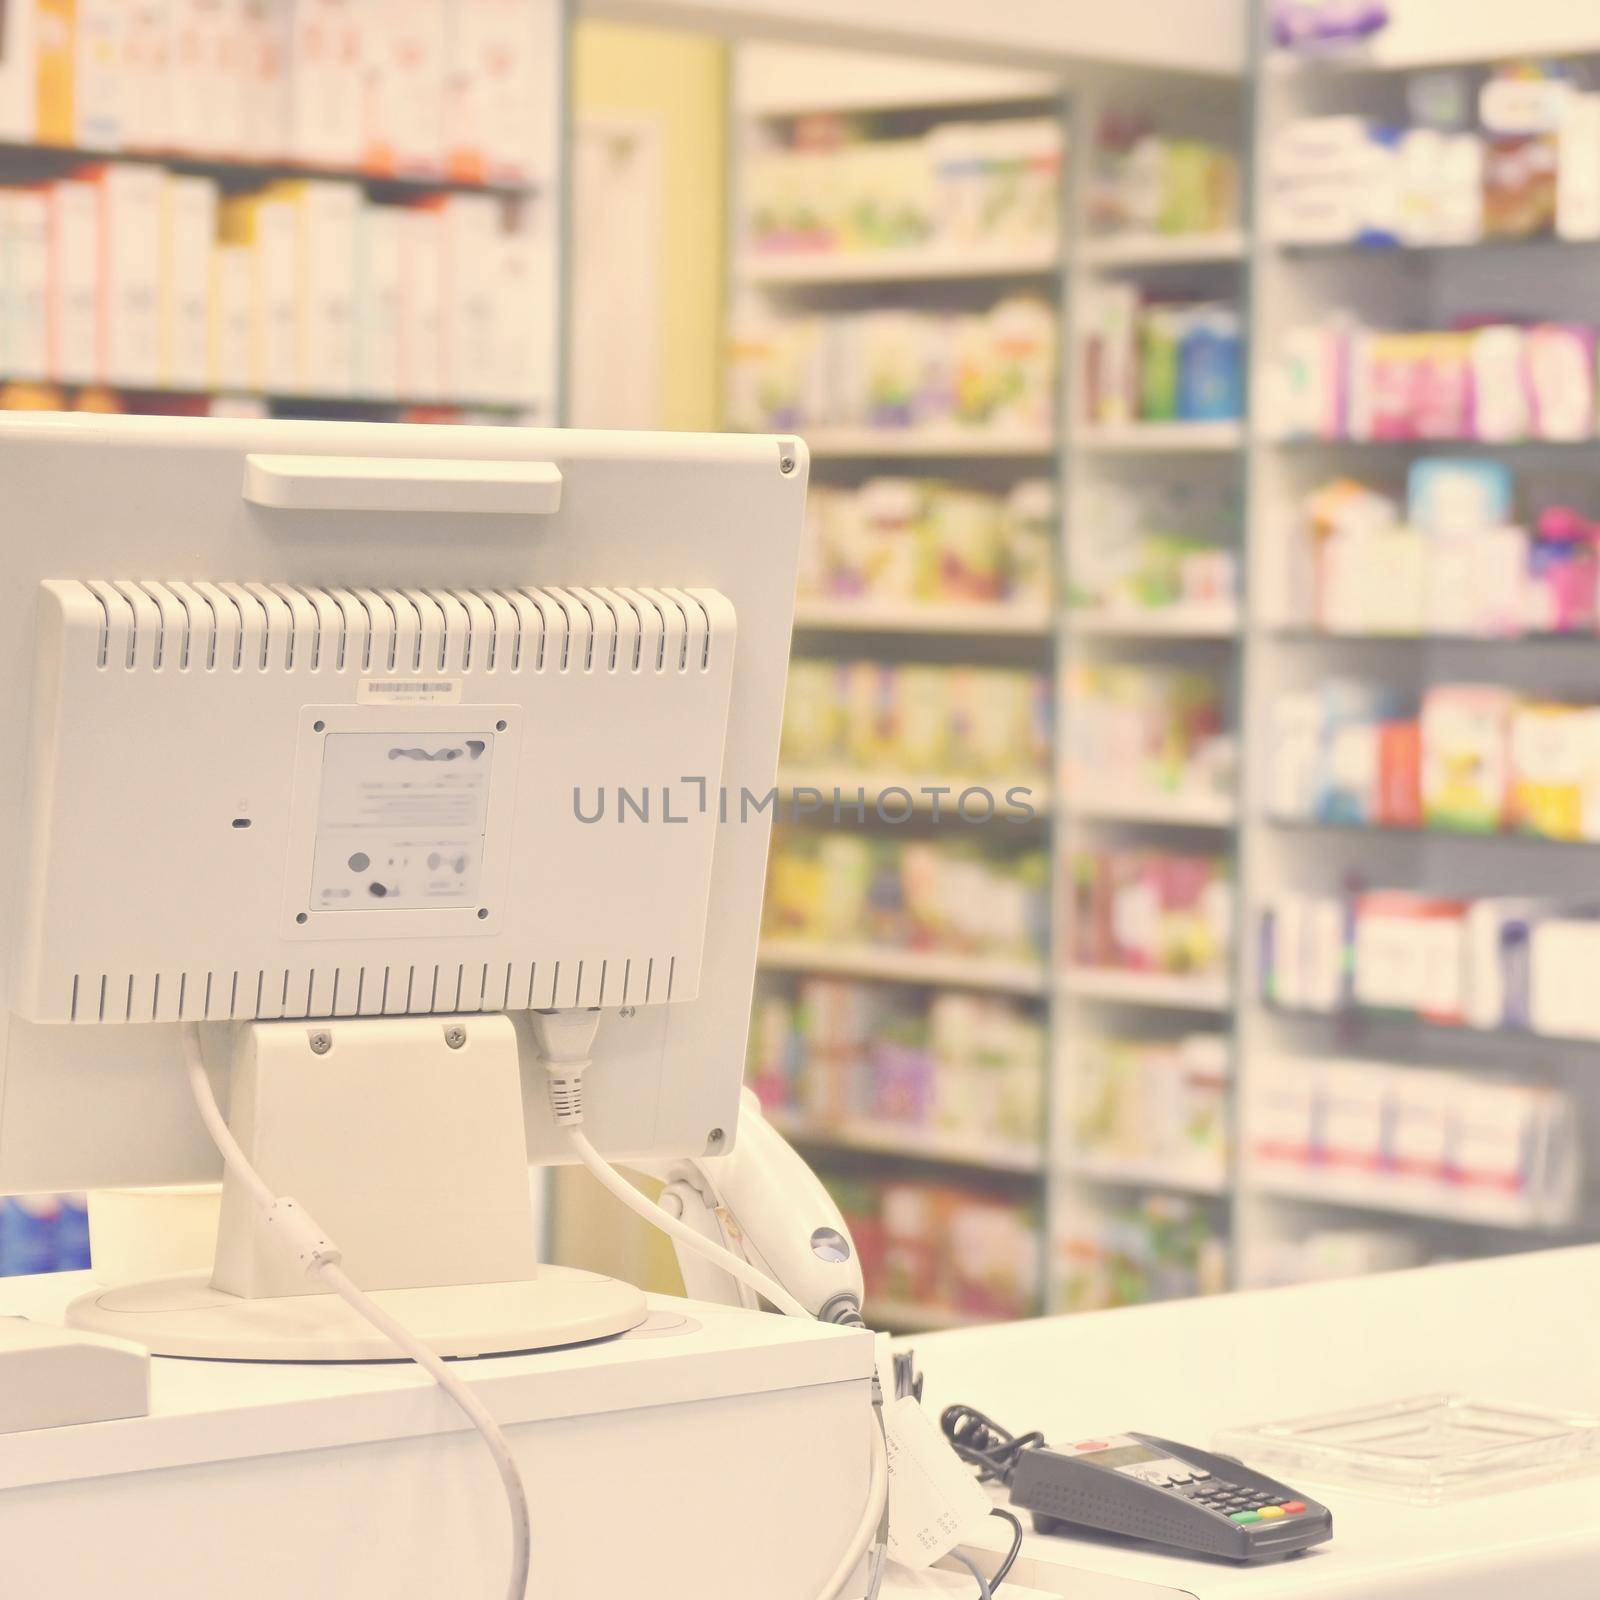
x=680 y=78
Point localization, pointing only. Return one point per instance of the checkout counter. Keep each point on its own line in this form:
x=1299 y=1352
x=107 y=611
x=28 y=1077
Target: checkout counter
x=296 y=1442
x=1518 y=1329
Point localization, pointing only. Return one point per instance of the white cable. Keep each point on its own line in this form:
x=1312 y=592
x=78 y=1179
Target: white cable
x=984 y=1591
x=301 y=1236
x=680 y=1230
x=878 y=1485
x=861 y=1540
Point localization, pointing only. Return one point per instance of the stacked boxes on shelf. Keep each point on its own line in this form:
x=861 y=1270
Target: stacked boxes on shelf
x=1452 y=1144
x=1528 y=168
x=126 y=275
x=895 y=370
x=1145 y=183
x=905 y=541
x=1153 y=1106
x=419 y=88
x=1473 y=758
x=846 y=1056
x=1155 y=549
x=193 y=198
x=953 y=898
x=915 y=721
x=928 y=1248
x=1147 y=733
x=1160 y=1247
x=1455 y=560
x=1155 y=360
x=1497 y=962
x=1152 y=911
x=1485 y=378
x=830 y=186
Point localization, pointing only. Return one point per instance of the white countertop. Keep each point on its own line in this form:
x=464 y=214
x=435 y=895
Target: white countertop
x=1519 y=1329
x=209 y=1411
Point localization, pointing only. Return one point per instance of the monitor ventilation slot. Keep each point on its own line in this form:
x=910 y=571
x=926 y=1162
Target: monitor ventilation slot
x=254 y=627
x=363 y=991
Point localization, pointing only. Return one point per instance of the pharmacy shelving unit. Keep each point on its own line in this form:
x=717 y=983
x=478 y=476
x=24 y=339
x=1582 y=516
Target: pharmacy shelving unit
x=1394 y=288
x=1096 y=1003
x=1066 y=1182
x=539 y=197
x=771 y=86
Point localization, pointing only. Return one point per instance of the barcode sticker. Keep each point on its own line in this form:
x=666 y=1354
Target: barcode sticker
x=409 y=691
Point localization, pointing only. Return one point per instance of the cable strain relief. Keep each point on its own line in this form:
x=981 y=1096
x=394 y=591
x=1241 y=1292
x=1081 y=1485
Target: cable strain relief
x=566 y=1098
x=298 y=1232
x=843 y=1309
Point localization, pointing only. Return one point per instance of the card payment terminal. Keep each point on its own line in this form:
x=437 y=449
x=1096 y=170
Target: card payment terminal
x=1142 y=1487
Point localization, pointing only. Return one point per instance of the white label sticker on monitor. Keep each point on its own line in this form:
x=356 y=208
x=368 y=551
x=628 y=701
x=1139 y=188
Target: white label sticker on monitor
x=400 y=820
x=408 y=691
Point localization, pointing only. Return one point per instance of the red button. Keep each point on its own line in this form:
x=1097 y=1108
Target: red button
x=1293 y=1506
x=1101 y=1444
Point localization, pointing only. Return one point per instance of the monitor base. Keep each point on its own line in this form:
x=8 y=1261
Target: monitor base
x=185 y=1316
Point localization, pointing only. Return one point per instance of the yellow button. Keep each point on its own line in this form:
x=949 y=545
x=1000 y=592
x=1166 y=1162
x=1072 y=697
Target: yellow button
x=1269 y=1512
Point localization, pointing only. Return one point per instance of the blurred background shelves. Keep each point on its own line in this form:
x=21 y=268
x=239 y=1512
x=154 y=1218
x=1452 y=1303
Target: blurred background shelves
x=995 y=619
x=1162 y=438
x=912 y=1144
x=1135 y=249
x=1162 y=990
x=898 y=793
x=282 y=207
x=1123 y=1172
x=1157 y=622
x=927 y=968
x=903 y=265
x=21 y=160
x=931 y=444
x=1166 y=810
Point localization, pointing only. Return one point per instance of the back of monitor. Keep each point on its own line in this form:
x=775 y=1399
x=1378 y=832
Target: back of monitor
x=289 y=751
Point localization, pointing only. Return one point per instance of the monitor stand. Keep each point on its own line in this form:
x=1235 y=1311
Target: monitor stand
x=403 y=1137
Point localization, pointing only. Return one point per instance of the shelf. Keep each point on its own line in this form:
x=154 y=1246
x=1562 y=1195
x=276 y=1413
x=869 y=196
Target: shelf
x=1161 y=438
x=1143 y=1174
x=931 y=443
x=1470 y=38
x=978 y=619
x=1168 y=991
x=1163 y=249
x=908 y=1317
x=1357 y=1015
x=276 y=397
x=913 y=1144
x=1373 y=251
x=1167 y=622
x=1426 y=835
x=799 y=80
x=227 y=169
x=800 y=268
x=1465 y=444
x=1170 y=810
x=1294 y=633
x=934 y=969
x=848 y=782
x=1320 y=1186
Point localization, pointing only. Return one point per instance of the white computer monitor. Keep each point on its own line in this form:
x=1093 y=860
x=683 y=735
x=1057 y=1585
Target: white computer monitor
x=321 y=721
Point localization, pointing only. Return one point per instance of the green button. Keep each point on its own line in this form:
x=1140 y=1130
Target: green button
x=1245 y=1516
